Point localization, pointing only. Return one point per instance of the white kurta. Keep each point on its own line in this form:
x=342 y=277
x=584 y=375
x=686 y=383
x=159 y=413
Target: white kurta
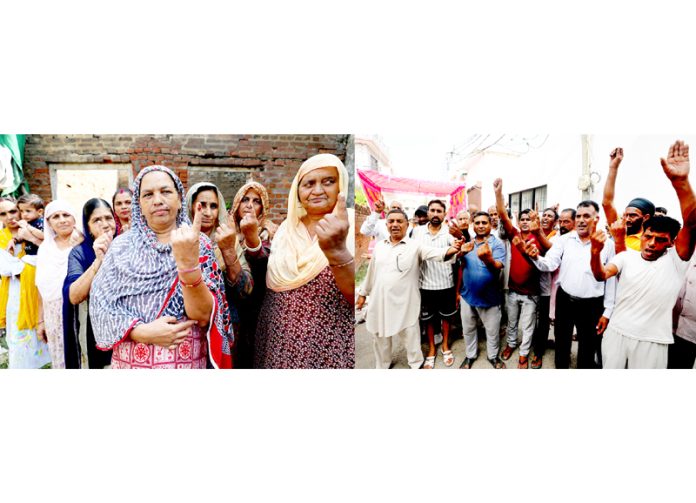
x=392 y=284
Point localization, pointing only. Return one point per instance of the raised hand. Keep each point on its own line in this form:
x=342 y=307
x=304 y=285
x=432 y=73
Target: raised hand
x=597 y=238
x=677 y=165
x=531 y=250
x=101 y=245
x=249 y=226
x=226 y=236
x=485 y=253
x=519 y=244
x=332 y=229
x=618 y=229
x=185 y=242
x=454 y=231
x=466 y=247
x=498 y=185
x=534 y=224
x=615 y=158
x=379 y=205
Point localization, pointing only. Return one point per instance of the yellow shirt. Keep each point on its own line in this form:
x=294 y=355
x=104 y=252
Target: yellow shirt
x=633 y=241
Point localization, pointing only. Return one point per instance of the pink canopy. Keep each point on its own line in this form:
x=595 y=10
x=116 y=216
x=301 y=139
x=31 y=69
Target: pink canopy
x=374 y=183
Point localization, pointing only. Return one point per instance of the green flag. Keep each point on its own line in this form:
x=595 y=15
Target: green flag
x=15 y=142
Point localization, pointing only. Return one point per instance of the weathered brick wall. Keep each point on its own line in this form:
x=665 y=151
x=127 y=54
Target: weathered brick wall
x=271 y=160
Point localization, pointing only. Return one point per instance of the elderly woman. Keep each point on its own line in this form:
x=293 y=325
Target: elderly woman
x=18 y=296
x=121 y=203
x=83 y=263
x=250 y=214
x=307 y=315
x=158 y=299
x=51 y=268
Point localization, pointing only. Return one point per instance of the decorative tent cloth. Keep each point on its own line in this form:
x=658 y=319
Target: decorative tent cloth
x=374 y=183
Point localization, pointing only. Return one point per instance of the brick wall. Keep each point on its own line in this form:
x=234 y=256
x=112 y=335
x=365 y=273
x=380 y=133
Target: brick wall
x=271 y=160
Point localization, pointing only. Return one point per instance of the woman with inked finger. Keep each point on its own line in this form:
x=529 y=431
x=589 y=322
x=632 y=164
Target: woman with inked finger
x=250 y=214
x=85 y=259
x=158 y=299
x=307 y=316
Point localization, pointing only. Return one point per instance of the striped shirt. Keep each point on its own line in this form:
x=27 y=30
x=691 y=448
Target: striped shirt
x=435 y=275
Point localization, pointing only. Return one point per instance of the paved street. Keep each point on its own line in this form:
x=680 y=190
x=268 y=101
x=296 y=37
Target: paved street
x=364 y=356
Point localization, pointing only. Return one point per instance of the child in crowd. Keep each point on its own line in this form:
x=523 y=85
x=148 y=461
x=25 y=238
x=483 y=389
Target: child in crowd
x=31 y=209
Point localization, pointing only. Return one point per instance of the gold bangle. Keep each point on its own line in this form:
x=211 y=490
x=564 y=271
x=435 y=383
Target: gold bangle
x=343 y=264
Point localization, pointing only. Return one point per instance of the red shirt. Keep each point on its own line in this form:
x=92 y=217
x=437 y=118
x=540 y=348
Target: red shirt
x=524 y=276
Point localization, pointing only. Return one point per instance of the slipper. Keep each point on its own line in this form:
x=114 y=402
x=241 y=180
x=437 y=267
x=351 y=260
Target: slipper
x=467 y=363
x=497 y=363
x=536 y=362
x=429 y=362
x=523 y=363
x=507 y=353
x=448 y=357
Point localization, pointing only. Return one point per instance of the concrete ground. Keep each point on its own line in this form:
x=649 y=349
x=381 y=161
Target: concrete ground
x=365 y=359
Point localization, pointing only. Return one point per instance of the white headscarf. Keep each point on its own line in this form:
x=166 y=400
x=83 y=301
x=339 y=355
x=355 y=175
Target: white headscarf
x=296 y=258
x=52 y=262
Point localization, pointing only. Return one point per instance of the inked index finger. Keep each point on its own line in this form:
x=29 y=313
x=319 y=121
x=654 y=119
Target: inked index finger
x=340 y=208
x=197 y=218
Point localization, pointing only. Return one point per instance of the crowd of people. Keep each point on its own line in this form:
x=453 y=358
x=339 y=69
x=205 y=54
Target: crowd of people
x=627 y=297
x=161 y=277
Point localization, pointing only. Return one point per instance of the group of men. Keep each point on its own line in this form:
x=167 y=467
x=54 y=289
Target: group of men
x=614 y=294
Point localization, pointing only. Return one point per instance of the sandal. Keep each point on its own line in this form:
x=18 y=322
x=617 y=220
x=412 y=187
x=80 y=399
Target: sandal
x=448 y=357
x=467 y=363
x=523 y=363
x=429 y=362
x=536 y=362
x=497 y=363
x=507 y=353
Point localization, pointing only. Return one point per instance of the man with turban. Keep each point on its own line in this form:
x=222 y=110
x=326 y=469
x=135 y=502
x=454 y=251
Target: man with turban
x=638 y=210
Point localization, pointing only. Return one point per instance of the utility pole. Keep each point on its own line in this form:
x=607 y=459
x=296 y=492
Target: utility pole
x=585 y=182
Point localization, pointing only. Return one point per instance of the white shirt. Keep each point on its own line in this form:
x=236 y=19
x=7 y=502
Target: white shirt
x=572 y=257
x=647 y=293
x=392 y=284
x=546 y=279
x=685 y=308
x=375 y=227
x=435 y=275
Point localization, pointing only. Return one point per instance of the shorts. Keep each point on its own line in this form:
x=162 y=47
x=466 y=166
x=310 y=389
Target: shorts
x=438 y=304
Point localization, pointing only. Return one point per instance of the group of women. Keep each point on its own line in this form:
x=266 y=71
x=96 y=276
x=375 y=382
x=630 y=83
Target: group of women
x=170 y=279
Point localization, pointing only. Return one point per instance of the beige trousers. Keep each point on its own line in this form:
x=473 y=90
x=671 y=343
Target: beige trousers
x=410 y=337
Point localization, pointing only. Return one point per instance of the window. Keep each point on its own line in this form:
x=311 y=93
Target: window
x=530 y=198
x=78 y=182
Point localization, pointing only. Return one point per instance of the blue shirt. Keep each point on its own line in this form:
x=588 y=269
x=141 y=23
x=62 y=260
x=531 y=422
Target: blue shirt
x=31 y=248
x=480 y=284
